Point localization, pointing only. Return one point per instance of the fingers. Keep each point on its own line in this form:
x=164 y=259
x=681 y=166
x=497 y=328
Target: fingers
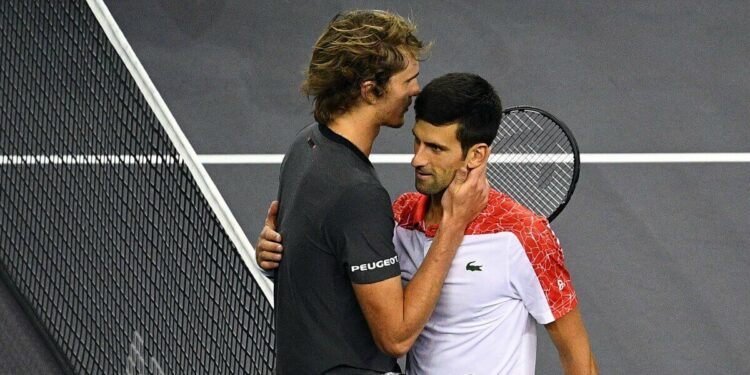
x=481 y=175
x=481 y=169
x=469 y=193
x=268 y=254
x=270 y=234
x=269 y=246
x=461 y=175
x=273 y=211
x=459 y=179
x=477 y=174
x=268 y=266
x=268 y=249
x=266 y=259
x=485 y=194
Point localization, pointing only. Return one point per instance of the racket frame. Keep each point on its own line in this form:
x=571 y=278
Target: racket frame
x=573 y=143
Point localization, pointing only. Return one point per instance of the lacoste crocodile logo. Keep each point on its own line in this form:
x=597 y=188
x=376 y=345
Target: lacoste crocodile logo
x=471 y=267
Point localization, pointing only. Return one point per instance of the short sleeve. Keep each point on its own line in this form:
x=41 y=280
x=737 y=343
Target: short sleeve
x=541 y=278
x=360 y=228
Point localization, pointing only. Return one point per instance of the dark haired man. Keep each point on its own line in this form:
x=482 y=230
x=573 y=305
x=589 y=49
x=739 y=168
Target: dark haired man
x=509 y=271
x=339 y=302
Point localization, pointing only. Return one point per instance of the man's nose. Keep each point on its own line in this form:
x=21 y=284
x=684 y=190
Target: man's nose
x=416 y=89
x=418 y=160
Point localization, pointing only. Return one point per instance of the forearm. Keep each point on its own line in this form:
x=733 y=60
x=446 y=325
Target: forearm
x=578 y=362
x=569 y=335
x=397 y=315
x=423 y=291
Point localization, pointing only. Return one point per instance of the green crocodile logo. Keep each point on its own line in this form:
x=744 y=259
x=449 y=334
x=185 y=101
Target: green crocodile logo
x=471 y=267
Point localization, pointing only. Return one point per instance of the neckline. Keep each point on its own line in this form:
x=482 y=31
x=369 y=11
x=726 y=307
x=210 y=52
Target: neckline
x=333 y=136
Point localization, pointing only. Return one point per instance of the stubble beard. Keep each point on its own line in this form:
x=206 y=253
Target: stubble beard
x=402 y=120
x=429 y=187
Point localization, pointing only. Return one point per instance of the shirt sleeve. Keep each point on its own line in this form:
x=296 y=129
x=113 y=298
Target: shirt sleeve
x=360 y=227
x=539 y=275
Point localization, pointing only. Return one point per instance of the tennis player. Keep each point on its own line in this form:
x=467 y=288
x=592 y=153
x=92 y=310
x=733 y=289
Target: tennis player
x=509 y=272
x=340 y=307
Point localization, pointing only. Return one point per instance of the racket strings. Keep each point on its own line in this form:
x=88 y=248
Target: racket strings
x=506 y=144
x=556 y=160
x=533 y=161
x=520 y=189
x=530 y=197
x=540 y=138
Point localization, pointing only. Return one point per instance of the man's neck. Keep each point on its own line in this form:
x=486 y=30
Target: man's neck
x=434 y=209
x=358 y=128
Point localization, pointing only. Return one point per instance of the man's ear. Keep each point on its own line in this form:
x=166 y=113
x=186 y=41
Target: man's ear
x=369 y=91
x=477 y=155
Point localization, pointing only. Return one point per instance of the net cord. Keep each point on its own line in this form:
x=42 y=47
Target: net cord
x=181 y=144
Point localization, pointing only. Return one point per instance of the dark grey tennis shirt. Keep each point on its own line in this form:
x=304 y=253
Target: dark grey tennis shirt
x=336 y=222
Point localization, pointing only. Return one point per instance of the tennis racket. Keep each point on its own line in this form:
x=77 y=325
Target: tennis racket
x=535 y=160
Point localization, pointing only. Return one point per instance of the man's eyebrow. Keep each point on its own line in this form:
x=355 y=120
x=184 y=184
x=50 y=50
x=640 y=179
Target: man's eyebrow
x=436 y=145
x=429 y=144
x=415 y=135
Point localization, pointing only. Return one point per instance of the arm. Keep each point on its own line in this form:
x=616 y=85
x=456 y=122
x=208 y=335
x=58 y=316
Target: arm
x=569 y=336
x=393 y=336
x=397 y=315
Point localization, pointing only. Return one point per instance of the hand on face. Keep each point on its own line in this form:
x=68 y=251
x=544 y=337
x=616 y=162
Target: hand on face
x=466 y=196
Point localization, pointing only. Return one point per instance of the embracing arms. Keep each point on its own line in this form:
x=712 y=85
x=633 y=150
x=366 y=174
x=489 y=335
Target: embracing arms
x=397 y=315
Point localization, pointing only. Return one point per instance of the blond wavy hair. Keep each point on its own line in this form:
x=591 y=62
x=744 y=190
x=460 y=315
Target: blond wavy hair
x=358 y=46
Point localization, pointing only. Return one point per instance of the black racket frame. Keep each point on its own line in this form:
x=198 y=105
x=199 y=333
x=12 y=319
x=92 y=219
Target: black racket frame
x=574 y=146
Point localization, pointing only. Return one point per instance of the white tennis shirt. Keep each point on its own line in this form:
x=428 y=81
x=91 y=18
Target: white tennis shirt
x=508 y=273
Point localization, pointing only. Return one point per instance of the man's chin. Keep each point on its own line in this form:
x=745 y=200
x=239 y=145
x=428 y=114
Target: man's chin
x=428 y=190
x=395 y=126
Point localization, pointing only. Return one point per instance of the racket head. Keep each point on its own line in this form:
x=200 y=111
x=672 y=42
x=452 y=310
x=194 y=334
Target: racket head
x=534 y=159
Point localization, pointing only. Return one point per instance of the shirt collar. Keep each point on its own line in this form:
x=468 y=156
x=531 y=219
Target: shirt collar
x=333 y=136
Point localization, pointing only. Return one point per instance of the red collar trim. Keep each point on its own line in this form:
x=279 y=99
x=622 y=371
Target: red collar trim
x=501 y=214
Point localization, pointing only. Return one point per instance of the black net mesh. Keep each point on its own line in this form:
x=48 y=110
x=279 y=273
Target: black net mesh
x=104 y=232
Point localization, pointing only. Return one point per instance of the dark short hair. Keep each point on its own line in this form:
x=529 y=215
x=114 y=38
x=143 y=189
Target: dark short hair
x=464 y=98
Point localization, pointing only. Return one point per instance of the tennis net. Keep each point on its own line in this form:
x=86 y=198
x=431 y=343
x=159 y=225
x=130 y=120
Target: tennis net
x=112 y=236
